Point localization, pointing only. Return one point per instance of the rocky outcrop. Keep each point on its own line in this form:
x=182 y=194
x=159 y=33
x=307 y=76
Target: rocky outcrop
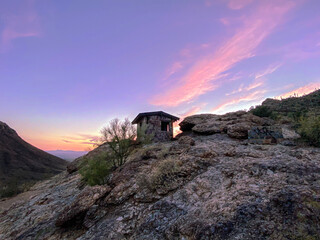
x=217 y=188
x=236 y=124
x=186 y=140
x=239 y=125
x=273 y=135
x=77 y=210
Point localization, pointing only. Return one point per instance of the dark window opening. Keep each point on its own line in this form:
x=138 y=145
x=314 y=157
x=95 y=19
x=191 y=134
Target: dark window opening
x=140 y=124
x=165 y=126
x=147 y=120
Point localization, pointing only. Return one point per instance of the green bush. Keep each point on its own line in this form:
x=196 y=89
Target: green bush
x=10 y=189
x=96 y=170
x=310 y=130
x=262 y=111
x=296 y=116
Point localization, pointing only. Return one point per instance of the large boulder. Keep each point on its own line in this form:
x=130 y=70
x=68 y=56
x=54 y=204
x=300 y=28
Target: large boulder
x=189 y=122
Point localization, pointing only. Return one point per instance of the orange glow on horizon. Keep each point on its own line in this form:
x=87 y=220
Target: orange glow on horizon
x=75 y=143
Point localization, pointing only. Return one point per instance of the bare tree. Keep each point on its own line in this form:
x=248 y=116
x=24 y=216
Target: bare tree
x=119 y=135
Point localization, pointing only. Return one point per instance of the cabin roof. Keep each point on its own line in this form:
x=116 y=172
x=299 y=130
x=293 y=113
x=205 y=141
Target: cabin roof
x=158 y=113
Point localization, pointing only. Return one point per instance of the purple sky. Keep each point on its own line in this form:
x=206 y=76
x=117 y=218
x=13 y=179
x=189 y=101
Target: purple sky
x=68 y=67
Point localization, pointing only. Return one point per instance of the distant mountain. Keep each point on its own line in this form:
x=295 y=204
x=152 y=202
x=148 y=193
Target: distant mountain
x=22 y=163
x=68 y=154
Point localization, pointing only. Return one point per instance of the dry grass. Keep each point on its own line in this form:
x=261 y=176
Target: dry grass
x=164 y=174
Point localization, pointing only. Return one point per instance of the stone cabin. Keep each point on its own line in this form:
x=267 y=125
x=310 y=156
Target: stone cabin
x=160 y=124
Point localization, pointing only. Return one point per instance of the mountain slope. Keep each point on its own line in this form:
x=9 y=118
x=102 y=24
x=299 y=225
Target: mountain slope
x=21 y=162
x=203 y=186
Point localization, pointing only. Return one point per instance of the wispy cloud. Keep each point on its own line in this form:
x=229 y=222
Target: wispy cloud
x=256 y=84
x=259 y=80
x=22 y=23
x=81 y=139
x=268 y=71
x=206 y=72
x=301 y=90
x=252 y=97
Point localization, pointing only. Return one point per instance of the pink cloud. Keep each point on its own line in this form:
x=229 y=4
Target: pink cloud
x=206 y=72
x=23 y=23
x=238 y=4
x=252 y=97
x=256 y=84
x=259 y=80
x=301 y=90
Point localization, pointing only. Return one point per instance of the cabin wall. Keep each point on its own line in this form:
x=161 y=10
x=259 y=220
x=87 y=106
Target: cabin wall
x=154 y=127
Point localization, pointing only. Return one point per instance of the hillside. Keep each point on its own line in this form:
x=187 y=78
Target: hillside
x=309 y=104
x=209 y=184
x=22 y=163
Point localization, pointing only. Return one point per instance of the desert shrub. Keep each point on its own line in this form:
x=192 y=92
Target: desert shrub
x=310 y=130
x=297 y=115
x=119 y=135
x=262 y=111
x=164 y=175
x=10 y=189
x=96 y=170
x=14 y=187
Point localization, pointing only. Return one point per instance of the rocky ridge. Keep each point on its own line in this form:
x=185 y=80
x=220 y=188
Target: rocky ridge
x=210 y=184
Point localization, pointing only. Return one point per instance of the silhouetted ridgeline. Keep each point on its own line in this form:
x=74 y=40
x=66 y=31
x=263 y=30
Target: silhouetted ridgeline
x=22 y=164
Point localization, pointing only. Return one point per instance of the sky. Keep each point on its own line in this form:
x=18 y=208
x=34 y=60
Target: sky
x=68 y=67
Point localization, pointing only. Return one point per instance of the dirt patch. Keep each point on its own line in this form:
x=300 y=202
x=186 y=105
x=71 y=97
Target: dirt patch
x=6 y=203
